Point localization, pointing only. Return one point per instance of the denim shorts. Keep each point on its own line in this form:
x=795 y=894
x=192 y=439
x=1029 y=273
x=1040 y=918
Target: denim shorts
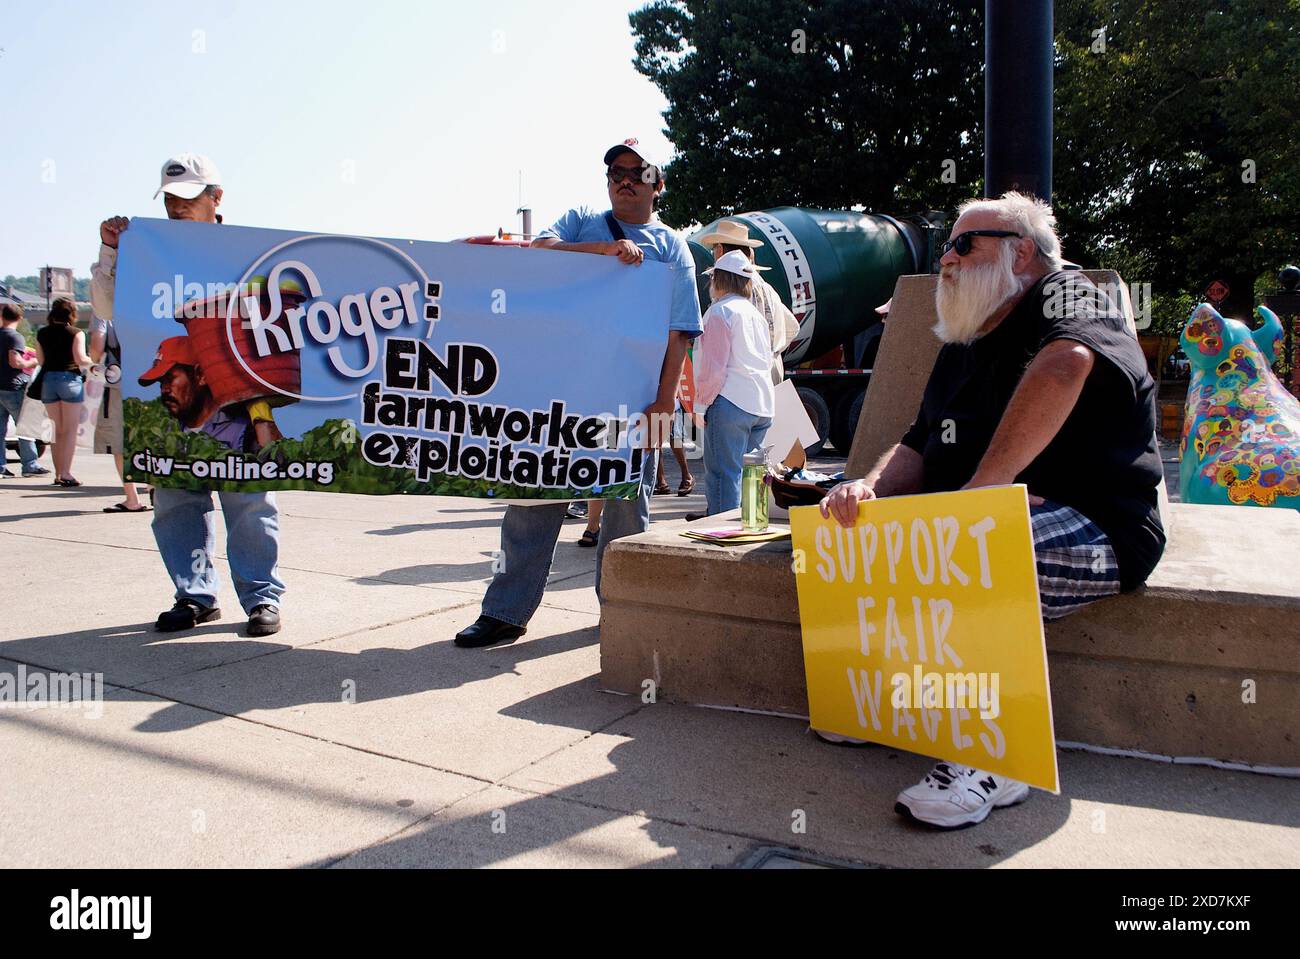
x=62 y=387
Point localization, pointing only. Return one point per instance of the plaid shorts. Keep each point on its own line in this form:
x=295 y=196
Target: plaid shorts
x=1076 y=563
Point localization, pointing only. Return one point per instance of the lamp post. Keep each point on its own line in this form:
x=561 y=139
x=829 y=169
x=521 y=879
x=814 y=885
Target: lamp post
x=1018 y=53
x=1285 y=302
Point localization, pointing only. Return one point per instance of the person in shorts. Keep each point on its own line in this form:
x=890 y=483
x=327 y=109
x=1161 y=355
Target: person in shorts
x=16 y=366
x=106 y=351
x=1040 y=381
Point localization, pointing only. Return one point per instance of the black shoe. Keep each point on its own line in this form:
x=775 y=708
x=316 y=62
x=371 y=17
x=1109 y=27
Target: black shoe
x=692 y=517
x=263 y=620
x=486 y=631
x=186 y=614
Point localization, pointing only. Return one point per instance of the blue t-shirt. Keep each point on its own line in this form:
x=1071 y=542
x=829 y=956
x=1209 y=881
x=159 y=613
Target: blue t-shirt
x=230 y=425
x=657 y=241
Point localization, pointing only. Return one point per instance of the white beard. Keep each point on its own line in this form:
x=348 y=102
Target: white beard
x=965 y=299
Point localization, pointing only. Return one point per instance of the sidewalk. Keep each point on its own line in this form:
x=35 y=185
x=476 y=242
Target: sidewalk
x=218 y=750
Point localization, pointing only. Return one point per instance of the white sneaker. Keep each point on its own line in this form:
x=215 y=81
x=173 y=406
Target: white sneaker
x=952 y=796
x=835 y=739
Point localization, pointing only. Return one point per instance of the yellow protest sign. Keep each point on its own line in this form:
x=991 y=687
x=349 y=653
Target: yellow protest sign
x=922 y=630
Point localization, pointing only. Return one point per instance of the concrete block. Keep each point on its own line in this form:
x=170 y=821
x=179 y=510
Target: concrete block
x=907 y=353
x=1158 y=671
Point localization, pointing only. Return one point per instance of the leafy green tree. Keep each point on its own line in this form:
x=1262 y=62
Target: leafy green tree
x=821 y=103
x=1176 y=124
x=1176 y=133
x=32 y=285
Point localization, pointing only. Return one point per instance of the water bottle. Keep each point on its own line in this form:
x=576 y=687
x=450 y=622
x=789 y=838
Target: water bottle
x=753 y=492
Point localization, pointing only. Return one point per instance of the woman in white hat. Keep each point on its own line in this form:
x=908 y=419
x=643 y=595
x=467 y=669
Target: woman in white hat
x=732 y=360
x=782 y=327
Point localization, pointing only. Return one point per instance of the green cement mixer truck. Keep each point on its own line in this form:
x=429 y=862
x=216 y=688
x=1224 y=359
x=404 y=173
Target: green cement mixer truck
x=833 y=268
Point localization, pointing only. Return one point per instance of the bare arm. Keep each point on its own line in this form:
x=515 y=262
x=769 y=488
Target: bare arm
x=1043 y=400
x=19 y=362
x=627 y=251
x=97 y=342
x=659 y=413
x=79 y=355
x=897 y=473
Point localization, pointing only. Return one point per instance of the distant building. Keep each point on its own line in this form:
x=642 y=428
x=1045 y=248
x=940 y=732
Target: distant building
x=34 y=310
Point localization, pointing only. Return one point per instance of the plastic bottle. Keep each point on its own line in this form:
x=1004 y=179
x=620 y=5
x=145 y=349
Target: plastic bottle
x=753 y=492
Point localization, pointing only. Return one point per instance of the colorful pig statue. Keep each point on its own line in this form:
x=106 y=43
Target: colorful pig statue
x=1241 y=431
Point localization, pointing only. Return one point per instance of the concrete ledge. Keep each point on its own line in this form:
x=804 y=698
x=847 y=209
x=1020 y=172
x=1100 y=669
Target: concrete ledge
x=1158 y=671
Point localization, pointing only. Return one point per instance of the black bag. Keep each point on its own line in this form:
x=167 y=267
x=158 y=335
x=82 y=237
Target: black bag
x=615 y=230
x=36 y=385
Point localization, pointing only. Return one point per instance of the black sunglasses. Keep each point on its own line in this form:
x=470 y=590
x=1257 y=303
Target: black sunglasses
x=643 y=173
x=962 y=241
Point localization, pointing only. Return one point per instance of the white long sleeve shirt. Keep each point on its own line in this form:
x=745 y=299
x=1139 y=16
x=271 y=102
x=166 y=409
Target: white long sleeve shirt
x=103 y=282
x=733 y=357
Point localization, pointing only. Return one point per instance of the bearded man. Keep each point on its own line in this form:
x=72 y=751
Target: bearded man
x=1040 y=381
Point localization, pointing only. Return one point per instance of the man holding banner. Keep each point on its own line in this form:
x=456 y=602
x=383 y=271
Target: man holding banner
x=183 y=524
x=1040 y=382
x=630 y=231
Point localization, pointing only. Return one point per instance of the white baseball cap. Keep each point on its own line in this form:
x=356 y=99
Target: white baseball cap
x=734 y=262
x=634 y=145
x=186 y=175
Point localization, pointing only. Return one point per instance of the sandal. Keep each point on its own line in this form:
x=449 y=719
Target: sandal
x=123 y=508
x=589 y=537
x=67 y=483
x=662 y=489
x=688 y=484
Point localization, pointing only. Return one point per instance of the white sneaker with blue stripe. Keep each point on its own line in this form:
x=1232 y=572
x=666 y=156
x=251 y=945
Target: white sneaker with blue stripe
x=952 y=796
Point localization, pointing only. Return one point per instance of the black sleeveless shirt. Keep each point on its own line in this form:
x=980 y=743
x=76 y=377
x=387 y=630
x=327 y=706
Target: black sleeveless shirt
x=1103 y=462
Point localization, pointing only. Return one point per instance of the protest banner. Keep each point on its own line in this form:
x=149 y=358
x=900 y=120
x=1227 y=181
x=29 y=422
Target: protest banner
x=266 y=360
x=922 y=629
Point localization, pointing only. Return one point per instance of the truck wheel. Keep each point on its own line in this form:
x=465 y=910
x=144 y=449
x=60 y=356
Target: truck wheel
x=845 y=424
x=819 y=413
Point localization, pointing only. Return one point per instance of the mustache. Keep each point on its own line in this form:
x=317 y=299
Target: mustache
x=967 y=297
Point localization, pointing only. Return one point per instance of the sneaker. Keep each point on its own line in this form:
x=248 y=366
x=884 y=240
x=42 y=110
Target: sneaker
x=835 y=739
x=7 y=474
x=263 y=620
x=577 y=510
x=952 y=796
x=36 y=471
x=186 y=614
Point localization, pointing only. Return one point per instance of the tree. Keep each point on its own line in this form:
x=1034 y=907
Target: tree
x=1181 y=129
x=32 y=285
x=822 y=103
x=1177 y=131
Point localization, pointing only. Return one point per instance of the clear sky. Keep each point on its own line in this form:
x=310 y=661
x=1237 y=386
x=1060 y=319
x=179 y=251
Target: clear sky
x=397 y=118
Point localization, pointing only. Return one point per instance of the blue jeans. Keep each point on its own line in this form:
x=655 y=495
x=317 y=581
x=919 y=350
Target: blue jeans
x=528 y=538
x=63 y=387
x=183 y=527
x=729 y=433
x=11 y=404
